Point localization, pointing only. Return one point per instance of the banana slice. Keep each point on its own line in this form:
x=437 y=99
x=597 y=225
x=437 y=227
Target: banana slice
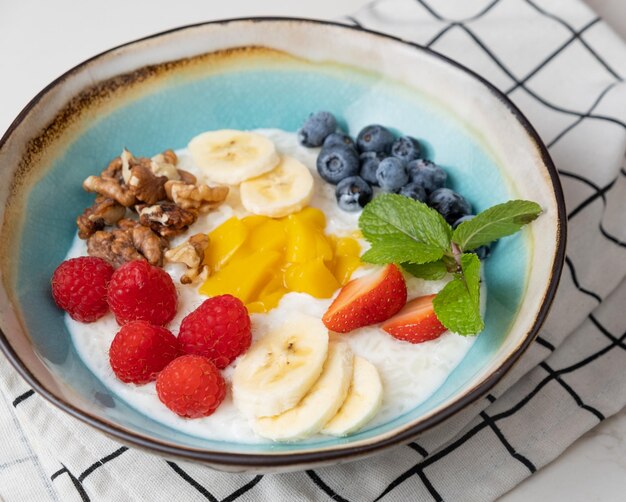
x=319 y=405
x=285 y=190
x=229 y=157
x=363 y=402
x=278 y=370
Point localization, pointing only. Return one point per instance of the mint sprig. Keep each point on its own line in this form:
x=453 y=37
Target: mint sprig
x=403 y=231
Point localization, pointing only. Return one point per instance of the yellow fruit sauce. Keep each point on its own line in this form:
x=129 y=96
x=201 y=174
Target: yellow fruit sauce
x=259 y=259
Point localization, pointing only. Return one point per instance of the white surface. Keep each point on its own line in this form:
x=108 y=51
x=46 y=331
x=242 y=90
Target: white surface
x=592 y=469
x=41 y=40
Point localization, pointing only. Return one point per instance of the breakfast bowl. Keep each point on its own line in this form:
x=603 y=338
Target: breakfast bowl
x=264 y=74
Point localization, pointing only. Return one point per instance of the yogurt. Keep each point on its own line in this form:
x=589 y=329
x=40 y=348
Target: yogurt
x=410 y=373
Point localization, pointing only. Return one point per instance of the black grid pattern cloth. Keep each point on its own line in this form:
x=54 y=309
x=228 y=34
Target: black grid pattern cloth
x=564 y=68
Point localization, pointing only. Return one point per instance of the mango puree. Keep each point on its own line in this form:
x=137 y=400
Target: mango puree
x=259 y=259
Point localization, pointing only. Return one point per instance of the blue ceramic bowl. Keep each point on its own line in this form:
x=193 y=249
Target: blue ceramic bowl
x=244 y=74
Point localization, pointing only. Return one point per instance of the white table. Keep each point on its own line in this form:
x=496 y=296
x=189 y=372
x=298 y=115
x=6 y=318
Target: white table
x=40 y=40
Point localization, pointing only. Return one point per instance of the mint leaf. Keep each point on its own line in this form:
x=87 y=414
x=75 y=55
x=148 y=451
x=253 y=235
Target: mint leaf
x=457 y=305
x=401 y=229
x=431 y=271
x=494 y=223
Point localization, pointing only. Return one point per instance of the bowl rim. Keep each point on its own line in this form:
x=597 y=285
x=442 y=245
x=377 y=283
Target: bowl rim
x=337 y=452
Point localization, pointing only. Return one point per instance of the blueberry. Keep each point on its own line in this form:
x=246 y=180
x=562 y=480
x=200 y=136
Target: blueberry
x=449 y=204
x=414 y=191
x=337 y=162
x=369 y=165
x=374 y=138
x=427 y=174
x=406 y=148
x=483 y=251
x=338 y=138
x=316 y=128
x=467 y=217
x=391 y=174
x=353 y=193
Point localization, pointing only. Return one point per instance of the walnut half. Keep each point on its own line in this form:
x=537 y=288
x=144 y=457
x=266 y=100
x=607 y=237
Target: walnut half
x=164 y=164
x=191 y=196
x=103 y=212
x=131 y=241
x=115 y=247
x=146 y=186
x=167 y=219
x=111 y=188
x=191 y=254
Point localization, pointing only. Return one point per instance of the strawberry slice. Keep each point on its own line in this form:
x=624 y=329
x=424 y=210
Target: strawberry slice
x=416 y=322
x=367 y=300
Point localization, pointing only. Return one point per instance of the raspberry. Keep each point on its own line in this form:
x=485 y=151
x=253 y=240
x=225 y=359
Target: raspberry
x=141 y=350
x=140 y=292
x=191 y=386
x=218 y=329
x=79 y=286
